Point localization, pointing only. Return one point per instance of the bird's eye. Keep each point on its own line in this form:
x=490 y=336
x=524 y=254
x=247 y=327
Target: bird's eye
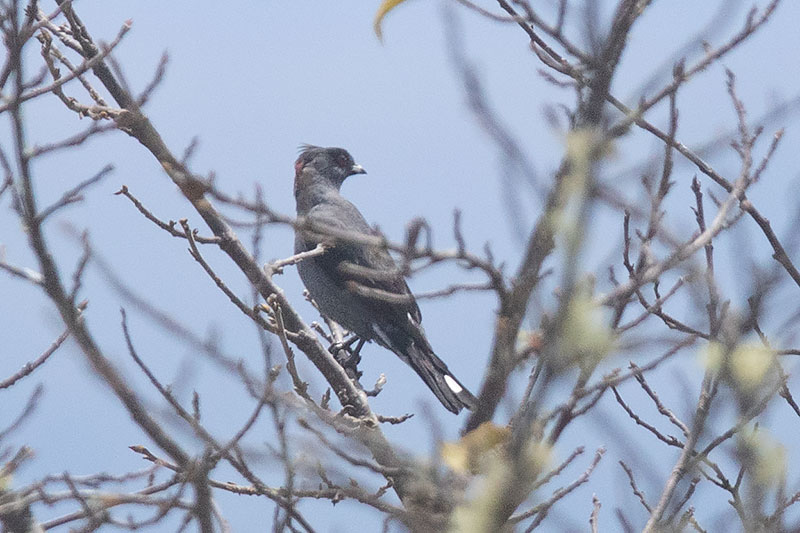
x=343 y=161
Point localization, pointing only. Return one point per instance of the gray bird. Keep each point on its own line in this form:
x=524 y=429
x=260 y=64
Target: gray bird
x=359 y=286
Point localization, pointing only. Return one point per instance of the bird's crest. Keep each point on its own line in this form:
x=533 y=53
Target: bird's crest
x=303 y=150
x=304 y=147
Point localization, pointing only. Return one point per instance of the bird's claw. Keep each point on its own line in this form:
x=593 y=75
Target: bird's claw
x=347 y=357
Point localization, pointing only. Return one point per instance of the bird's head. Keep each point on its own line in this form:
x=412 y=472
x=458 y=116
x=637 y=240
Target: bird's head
x=319 y=165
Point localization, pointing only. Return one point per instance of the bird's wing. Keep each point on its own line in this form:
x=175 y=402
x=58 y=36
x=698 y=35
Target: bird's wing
x=366 y=271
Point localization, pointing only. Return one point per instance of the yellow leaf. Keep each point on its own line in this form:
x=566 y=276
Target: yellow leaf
x=386 y=6
x=456 y=456
x=499 y=475
x=712 y=356
x=586 y=338
x=750 y=364
x=767 y=456
x=468 y=453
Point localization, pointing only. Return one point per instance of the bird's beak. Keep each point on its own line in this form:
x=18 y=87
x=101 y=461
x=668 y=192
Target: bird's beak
x=357 y=169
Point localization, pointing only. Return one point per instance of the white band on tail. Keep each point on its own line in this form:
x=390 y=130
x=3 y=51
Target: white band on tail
x=453 y=384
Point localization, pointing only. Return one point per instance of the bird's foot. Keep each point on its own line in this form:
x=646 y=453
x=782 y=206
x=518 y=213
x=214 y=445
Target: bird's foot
x=348 y=357
x=337 y=349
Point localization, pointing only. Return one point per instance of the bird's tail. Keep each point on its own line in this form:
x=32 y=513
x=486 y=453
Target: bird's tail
x=453 y=395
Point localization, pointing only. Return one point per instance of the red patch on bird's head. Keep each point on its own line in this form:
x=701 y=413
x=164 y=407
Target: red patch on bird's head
x=306 y=155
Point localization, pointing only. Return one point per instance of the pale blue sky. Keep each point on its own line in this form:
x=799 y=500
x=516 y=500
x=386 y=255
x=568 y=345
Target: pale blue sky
x=253 y=80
